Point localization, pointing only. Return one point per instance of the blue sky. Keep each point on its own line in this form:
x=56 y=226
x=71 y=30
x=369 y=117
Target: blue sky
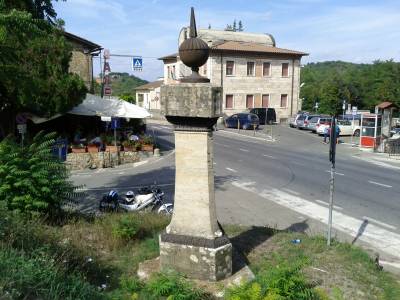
x=355 y=31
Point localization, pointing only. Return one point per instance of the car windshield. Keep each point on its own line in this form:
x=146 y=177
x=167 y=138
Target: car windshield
x=314 y=120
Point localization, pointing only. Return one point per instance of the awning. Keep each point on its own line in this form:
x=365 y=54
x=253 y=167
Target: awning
x=96 y=106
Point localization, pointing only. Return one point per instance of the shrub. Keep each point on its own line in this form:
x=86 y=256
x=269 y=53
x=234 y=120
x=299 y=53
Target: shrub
x=147 y=140
x=276 y=282
x=32 y=179
x=25 y=277
x=127 y=227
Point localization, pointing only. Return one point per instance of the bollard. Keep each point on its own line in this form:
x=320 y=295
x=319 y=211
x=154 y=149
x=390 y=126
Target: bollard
x=238 y=125
x=156 y=152
x=254 y=129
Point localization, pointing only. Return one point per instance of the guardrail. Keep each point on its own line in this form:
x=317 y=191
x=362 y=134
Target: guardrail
x=393 y=148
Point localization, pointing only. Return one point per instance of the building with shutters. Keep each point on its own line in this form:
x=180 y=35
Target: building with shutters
x=252 y=71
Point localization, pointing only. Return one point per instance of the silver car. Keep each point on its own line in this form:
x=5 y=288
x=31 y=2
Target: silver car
x=304 y=120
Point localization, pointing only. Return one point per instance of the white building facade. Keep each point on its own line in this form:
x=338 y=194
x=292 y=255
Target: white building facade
x=252 y=71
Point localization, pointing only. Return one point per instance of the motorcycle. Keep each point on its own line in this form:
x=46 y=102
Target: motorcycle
x=148 y=198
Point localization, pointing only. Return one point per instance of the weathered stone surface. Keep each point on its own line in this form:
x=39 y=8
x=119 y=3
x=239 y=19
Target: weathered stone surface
x=197 y=262
x=80 y=161
x=194 y=205
x=191 y=100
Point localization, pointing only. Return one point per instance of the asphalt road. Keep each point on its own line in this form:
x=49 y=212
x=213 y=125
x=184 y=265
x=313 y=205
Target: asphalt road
x=282 y=182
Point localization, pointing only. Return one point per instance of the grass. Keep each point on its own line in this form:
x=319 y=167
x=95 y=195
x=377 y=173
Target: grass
x=96 y=258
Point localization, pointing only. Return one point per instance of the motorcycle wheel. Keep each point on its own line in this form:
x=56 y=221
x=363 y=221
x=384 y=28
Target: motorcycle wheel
x=102 y=205
x=166 y=210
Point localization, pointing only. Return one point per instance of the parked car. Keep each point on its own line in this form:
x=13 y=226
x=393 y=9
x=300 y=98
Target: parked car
x=346 y=128
x=265 y=115
x=316 y=122
x=245 y=121
x=293 y=120
x=303 y=121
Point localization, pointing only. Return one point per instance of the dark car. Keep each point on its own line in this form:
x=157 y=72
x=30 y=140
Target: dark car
x=243 y=121
x=266 y=115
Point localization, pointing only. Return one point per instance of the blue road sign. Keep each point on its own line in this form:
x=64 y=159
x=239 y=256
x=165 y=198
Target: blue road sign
x=137 y=63
x=115 y=123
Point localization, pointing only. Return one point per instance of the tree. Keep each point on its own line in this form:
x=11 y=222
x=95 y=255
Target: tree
x=234 y=25
x=34 y=66
x=240 y=26
x=32 y=179
x=40 y=9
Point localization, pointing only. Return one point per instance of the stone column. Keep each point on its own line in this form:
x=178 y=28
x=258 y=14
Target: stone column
x=193 y=243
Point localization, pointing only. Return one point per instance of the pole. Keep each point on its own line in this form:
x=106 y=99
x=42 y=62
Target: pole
x=332 y=158
x=352 y=131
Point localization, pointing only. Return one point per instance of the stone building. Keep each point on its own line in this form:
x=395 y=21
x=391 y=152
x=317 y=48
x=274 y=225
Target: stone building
x=148 y=95
x=252 y=71
x=81 y=62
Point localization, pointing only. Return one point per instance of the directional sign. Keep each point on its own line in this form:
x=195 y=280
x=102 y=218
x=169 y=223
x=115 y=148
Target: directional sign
x=354 y=111
x=107 y=91
x=137 y=63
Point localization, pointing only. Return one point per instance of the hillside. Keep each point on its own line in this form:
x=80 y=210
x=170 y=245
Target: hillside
x=362 y=85
x=124 y=85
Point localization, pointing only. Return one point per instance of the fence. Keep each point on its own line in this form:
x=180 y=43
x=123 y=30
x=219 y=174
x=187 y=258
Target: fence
x=393 y=148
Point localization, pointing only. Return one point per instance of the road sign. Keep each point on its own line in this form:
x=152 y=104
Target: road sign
x=137 y=63
x=354 y=111
x=105 y=119
x=115 y=123
x=21 y=128
x=107 y=91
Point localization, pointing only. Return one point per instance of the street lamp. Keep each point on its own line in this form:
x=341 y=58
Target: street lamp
x=316 y=107
x=344 y=107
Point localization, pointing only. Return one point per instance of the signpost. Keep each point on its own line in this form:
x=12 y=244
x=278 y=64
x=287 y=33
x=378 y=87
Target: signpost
x=137 y=63
x=22 y=130
x=353 y=113
x=332 y=157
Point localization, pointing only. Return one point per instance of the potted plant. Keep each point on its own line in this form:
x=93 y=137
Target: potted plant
x=78 y=148
x=131 y=146
x=147 y=143
x=92 y=148
x=110 y=144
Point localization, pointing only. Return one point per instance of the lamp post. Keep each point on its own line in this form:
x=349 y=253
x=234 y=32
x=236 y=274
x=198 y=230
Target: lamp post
x=344 y=107
x=316 y=106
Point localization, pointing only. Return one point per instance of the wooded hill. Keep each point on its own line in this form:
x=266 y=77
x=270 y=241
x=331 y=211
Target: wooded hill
x=123 y=85
x=362 y=85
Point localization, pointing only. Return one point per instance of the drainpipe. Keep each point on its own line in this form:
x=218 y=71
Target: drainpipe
x=291 y=97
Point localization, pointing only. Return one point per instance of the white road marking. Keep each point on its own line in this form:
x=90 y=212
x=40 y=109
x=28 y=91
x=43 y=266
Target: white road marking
x=270 y=156
x=380 y=184
x=232 y=170
x=327 y=204
x=378 y=237
x=265 y=139
x=378 y=163
x=337 y=173
x=223 y=145
x=291 y=192
x=379 y=222
x=244 y=150
x=123 y=187
x=389 y=263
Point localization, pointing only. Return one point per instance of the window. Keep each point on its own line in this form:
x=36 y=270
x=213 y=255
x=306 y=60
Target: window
x=229 y=101
x=265 y=100
x=229 y=68
x=140 y=99
x=168 y=72
x=250 y=68
x=173 y=73
x=249 y=101
x=266 y=69
x=285 y=69
x=284 y=100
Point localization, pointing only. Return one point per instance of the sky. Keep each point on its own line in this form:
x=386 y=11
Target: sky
x=359 y=31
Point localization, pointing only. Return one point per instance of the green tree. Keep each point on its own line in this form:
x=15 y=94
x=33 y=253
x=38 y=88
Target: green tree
x=40 y=9
x=34 y=64
x=240 y=26
x=31 y=178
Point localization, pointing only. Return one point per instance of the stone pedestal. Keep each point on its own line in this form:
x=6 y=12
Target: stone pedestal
x=193 y=243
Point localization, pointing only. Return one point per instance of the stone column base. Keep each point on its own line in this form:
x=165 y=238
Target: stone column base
x=197 y=258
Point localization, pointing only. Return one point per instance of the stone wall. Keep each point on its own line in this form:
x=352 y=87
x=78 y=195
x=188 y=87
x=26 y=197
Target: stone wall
x=80 y=161
x=81 y=64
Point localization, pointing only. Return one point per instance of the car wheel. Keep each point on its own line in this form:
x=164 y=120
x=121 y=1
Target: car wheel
x=357 y=133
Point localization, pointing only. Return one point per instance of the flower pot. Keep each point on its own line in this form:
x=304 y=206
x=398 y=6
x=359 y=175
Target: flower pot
x=130 y=148
x=92 y=148
x=78 y=150
x=148 y=148
x=112 y=148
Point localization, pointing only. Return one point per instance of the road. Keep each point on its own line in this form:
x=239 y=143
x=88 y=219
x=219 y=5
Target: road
x=282 y=183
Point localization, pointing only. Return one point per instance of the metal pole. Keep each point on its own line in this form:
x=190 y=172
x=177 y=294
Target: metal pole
x=352 y=131
x=331 y=191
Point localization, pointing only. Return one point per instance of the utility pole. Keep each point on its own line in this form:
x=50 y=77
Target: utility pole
x=332 y=157
x=344 y=107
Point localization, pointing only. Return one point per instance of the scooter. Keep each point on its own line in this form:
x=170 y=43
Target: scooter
x=148 y=198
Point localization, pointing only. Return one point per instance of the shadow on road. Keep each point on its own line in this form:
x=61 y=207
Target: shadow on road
x=360 y=231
